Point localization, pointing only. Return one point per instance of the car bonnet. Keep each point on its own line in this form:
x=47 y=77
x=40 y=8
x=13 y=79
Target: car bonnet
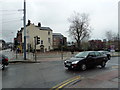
x=75 y=59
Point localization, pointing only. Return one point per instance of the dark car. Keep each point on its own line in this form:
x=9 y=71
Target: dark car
x=106 y=53
x=86 y=59
x=3 y=61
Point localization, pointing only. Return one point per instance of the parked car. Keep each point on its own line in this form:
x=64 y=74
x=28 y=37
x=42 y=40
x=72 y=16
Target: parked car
x=106 y=53
x=86 y=59
x=3 y=61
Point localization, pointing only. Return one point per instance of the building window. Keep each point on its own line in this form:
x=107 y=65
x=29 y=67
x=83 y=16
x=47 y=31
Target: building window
x=54 y=39
x=48 y=40
x=49 y=47
x=48 y=32
x=41 y=41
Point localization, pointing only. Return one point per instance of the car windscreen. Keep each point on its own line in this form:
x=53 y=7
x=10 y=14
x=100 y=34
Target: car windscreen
x=81 y=55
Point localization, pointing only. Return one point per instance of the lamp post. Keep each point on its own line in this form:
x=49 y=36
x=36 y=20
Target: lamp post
x=11 y=38
x=12 y=42
x=24 y=29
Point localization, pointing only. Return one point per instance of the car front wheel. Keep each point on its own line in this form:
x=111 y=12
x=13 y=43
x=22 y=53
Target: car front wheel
x=83 y=67
x=103 y=64
x=69 y=68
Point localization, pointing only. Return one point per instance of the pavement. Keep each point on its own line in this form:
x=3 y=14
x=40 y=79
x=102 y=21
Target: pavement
x=104 y=80
x=48 y=56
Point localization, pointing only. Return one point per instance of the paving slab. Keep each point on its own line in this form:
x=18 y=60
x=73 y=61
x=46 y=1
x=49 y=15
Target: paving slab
x=105 y=80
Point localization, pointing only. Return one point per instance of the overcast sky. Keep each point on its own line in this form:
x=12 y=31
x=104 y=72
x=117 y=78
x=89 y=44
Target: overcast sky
x=103 y=15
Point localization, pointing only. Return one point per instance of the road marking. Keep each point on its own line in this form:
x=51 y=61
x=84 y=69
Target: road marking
x=65 y=83
x=115 y=67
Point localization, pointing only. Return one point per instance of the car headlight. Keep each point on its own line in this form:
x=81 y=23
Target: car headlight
x=65 y=61
x=75 y=62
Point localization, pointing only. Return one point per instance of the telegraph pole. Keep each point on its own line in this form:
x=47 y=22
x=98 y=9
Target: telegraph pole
x=24 y=29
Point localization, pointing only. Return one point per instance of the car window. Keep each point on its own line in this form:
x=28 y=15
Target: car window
x=98 y=54
x=81 y=55
x=92 y=54
x=106 y=52
x=102 y=53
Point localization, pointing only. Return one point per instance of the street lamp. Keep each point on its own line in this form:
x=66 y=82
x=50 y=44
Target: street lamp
x=11 y=37
x=12 y=41
x=24 y=29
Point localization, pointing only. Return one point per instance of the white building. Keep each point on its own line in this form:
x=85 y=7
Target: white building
x=45 y=34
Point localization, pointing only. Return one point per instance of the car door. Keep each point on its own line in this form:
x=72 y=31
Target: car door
x=99 y=58
x=0 y=61
x=91 y=59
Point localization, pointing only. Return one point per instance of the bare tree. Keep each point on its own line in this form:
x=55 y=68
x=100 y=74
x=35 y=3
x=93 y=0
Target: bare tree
x=110 y=35
x=79 y=28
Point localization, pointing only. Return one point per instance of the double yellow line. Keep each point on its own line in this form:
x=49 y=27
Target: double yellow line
x=115 y=67
x=66 y=82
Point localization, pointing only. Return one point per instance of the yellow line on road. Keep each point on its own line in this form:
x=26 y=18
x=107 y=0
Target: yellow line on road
x=66 y=83
x=115 y=67
x=58 y=85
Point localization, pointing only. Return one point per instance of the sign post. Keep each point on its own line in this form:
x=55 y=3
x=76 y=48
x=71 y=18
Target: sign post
x=35 y=39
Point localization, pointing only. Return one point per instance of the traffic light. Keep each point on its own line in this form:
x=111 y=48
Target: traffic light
x=38 y=40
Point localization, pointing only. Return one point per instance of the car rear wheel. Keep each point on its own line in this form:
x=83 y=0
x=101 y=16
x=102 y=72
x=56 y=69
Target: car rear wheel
x=103 y=64
x=83 y=67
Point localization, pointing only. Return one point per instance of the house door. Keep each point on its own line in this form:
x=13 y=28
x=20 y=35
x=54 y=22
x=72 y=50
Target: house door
x=42 y=48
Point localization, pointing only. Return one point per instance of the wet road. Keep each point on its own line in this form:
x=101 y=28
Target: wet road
x=46 y=74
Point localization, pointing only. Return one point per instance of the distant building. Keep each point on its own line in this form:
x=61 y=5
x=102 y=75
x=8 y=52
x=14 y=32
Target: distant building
x=2 y=44
x=48 y=39
x=104 y=40
x=18 y=40
x=96 y=45
x=45 y=34
x=58 y=40
x=69 y=44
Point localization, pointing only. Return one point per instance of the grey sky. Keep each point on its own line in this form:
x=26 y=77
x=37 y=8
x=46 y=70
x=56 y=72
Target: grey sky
x=103 y=15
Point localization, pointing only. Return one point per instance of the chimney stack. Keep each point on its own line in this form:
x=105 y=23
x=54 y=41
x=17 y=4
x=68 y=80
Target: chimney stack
x=39 y=24
x=29 y=22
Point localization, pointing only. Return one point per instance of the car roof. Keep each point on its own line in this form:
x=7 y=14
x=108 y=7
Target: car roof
x=89 y=51
x=102 y=51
